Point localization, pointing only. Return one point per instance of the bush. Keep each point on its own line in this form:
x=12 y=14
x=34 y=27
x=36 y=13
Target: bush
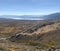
x=47 y=45
x=34 y=43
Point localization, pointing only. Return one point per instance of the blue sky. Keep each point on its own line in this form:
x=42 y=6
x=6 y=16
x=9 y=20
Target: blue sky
x=29 y=7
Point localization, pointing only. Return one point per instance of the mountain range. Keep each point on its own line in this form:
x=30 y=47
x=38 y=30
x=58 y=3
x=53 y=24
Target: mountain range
x=32 y=17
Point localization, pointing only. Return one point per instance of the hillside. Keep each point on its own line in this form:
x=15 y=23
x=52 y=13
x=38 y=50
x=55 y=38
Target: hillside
x=44 y=34
x=48 y=28
x=49 y=33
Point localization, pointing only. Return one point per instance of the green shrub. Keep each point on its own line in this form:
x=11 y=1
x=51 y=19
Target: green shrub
x=34 y=43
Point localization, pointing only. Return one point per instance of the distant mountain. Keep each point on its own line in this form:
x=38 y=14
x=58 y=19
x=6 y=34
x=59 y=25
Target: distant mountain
x=22 y=17
x=32 y=17
x=52 y=16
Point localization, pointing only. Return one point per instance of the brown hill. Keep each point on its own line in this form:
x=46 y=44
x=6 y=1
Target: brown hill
x=47 y=34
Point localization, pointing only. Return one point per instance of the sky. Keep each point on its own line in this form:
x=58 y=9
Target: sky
x=29 y=7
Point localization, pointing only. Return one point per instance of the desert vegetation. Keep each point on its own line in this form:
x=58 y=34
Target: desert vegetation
x=29 y=35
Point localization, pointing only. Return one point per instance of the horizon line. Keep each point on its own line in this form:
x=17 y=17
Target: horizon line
x=30 y=14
